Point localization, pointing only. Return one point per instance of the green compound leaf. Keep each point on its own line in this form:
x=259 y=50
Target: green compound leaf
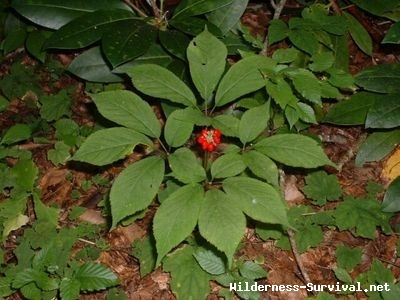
x=188 y=280
x=364 y=222
x=348 y=258
x=227 y=165
x=93 y=277
x=391 y=201
x=128 y=109
x=221 y=222
x=359 y=34
x=384 y=78
x=186 y=167
x=253 y=122
x=259 y=200
x=385 y=113
x=159 y=82
x=261 y=166
x=352 y=111
x=42 y=12
x=184 y=205
x=281 y=91
x=322 y=187
x=207 y=58
x=377 y=146
x=242 y=78
x=210 y=262
x=87 y=29
x=135 y=188
x=109 y=145
x=294 y=150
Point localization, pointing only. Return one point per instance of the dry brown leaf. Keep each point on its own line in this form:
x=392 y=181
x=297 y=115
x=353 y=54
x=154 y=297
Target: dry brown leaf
x=391 y=168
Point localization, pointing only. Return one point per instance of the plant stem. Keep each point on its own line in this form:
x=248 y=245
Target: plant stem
x=135 y=8
x=278 y=7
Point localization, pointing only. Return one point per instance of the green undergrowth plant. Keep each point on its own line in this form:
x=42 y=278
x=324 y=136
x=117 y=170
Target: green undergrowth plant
x=213 y=188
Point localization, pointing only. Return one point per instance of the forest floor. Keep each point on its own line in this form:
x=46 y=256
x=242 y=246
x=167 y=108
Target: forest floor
x=340 y=144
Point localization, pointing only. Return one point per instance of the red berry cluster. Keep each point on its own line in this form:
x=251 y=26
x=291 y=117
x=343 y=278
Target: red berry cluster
x=209 y=138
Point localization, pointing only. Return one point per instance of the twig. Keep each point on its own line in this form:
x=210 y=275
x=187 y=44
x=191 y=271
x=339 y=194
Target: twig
x=278 y=7
x=291 y=235
x=135 y=8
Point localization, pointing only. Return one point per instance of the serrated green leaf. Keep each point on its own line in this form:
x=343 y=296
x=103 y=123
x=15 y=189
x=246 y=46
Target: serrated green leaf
x=253 y=122
x=281 y=92
x=179 y=126
x=227 y=165
x=109 y=145
x=322 y=187
x=69 y=289
x=188 y=8
x=5 y=286
x=60 y=154
x=135 y=187
x=304 y=40
x=188 y=280
x=306 y=84
x=128 y=109
x=184 y=204
x=126 y=40
x=342 y=275
x=352 y=111
x=227 y=124
x=161 y=83
x=392 y=36
x=31 y=291
x=294 y=150
x=242 y=78
x=347 y=258
x=365 y=221
x=226 y=17
x=259 y=200
x=277 y=31
x=25 y=173
x=384 y=113
x=91 y=66
x=86 y=29
x=93 y=277
x=262 y=166
x=382 y=78
x=377 y=146
x=221 y=222
x=251 y=270
x=321 y=61
x=46 y=214
x=209 y=261
x=55 y=106
x=207 y=58
x=359 y=34
x=391 y=201
x=25 y=277
x=42 y=12
x=340 y=78
x=186 y=167
x=16 y=133
x=34 y=44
